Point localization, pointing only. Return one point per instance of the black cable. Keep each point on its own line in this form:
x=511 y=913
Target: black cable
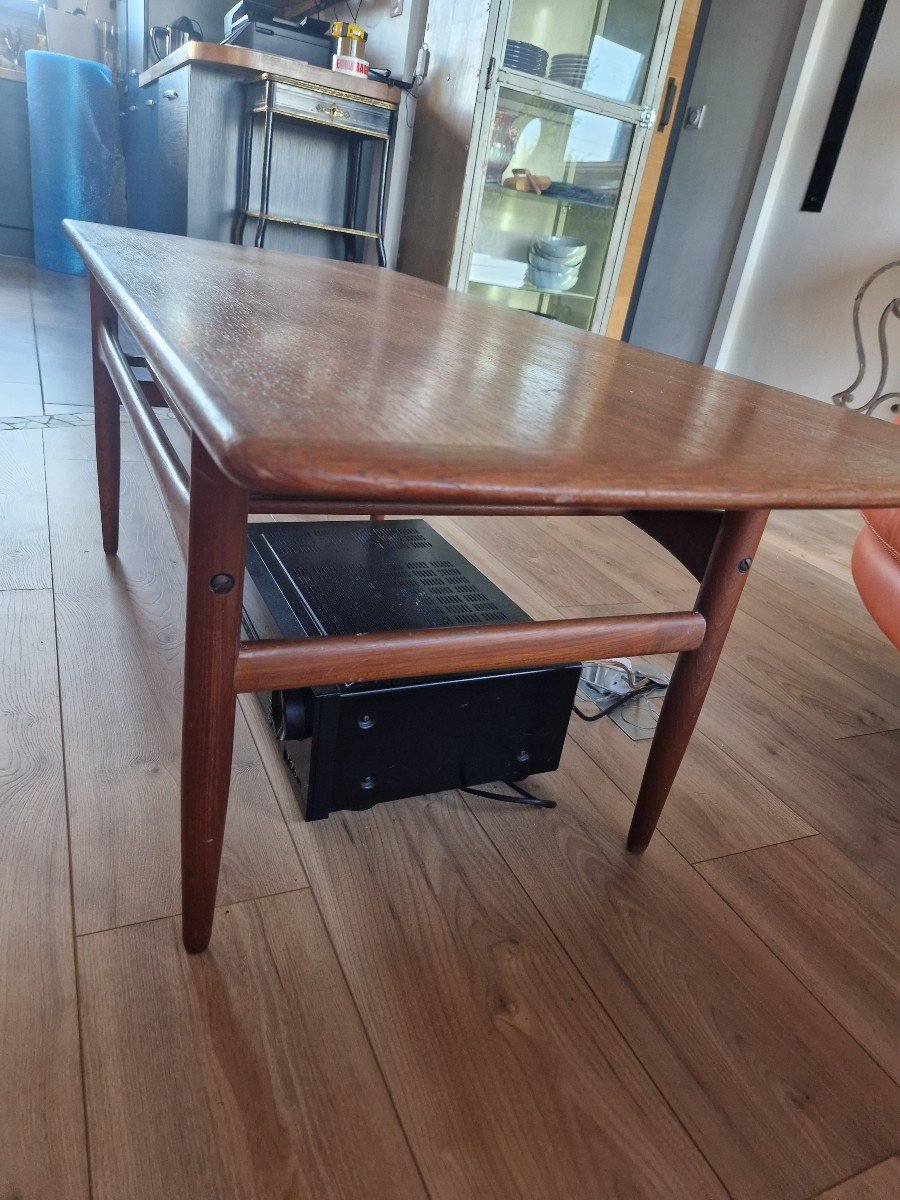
x=523 y=797
x=650 y=689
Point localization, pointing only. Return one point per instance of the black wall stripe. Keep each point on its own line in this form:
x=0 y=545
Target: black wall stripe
x=844 y=100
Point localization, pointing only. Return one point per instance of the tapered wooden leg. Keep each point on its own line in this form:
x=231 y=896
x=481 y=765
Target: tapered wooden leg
x=723 y=582
x=215 y=574
x=106 y=428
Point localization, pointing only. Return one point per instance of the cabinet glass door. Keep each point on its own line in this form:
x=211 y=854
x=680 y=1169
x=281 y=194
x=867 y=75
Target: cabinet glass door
x=562 y=143
x=552 y=184
x=604 y=47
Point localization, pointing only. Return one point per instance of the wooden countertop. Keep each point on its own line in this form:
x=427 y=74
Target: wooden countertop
x=239 y=58
x=323 y=379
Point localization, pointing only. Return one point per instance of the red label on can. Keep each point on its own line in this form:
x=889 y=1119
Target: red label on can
x=349 y=66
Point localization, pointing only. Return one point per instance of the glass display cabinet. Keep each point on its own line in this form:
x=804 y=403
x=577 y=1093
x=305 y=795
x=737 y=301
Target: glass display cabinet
x=527 y=197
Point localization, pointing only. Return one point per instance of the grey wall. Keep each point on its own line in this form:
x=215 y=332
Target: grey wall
x=740 y=70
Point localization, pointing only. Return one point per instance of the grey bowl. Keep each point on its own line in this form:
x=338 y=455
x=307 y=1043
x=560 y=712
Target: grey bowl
x=553 y=281
x=568 y=250
x=558 y=265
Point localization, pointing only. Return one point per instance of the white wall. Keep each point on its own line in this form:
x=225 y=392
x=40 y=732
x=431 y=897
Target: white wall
x=393 y=42
x=790 y=324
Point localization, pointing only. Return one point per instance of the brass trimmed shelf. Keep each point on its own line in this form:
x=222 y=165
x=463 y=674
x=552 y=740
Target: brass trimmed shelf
x=258 y=216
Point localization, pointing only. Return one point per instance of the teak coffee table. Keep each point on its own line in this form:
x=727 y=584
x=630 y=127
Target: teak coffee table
x=311 y=386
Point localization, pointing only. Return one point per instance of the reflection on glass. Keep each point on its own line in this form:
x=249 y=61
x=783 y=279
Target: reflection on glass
x=602 y=46
x=552 y=183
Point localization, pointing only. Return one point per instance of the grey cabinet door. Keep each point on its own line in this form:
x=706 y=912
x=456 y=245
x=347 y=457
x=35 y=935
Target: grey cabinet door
x=155 y=139
x=15 y=179
x=173 y=102
x=139 y=142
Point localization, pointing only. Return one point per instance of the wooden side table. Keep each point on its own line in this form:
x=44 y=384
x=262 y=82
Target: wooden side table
x=357 y=120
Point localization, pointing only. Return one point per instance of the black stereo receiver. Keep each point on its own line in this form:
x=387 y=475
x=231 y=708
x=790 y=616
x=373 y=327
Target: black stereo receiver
x=355 y=745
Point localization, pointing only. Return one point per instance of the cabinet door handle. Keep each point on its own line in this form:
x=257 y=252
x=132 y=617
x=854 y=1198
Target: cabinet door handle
x=668 y=103
x=333 y=111
x=170 y=94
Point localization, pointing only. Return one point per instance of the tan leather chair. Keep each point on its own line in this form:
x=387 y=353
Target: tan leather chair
x=876 y=567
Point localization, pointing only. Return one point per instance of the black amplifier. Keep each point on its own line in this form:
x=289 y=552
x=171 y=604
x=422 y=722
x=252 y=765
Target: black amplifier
x=258 y=27
x=355 y=745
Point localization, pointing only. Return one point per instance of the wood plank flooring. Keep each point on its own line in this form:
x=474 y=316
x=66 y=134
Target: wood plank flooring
x=121 y=642
x=881 y=1182
x=831 y=924
x=444 y=997
x=255 y=1074
x=761 y=1076
x=459 y=980
x=42 y=1130
x=24 y=544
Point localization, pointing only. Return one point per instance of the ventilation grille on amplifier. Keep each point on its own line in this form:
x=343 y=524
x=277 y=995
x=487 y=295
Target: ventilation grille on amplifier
x=369 y=535
x=414 y=587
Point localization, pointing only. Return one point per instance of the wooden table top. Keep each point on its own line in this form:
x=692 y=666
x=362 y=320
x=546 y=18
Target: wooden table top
x=321 y=379
x=294 y=70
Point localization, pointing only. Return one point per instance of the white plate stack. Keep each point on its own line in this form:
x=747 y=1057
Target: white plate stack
x=497 y=272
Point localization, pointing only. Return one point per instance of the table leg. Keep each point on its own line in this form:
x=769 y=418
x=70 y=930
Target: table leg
x=720 y=590
x=107 y=428
x=379 y=215
x=354 y=170
x=266 y=177
x=216 y=544
x=240 y=219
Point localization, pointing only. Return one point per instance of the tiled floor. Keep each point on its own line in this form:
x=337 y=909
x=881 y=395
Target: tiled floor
x=45 y=335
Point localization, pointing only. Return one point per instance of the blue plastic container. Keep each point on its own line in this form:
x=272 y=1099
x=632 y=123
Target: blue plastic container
x=77 y=166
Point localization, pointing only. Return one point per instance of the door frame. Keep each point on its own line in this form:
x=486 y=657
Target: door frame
x=678 y=117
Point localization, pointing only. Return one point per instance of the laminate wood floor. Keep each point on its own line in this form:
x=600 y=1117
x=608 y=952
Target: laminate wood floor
x=444 y=997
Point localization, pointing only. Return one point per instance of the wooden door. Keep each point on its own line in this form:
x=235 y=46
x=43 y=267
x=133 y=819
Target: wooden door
x=640 y=224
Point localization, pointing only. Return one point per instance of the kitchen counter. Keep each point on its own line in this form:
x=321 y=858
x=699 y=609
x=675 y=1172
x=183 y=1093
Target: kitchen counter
x=16 y=75
x=239 y=58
